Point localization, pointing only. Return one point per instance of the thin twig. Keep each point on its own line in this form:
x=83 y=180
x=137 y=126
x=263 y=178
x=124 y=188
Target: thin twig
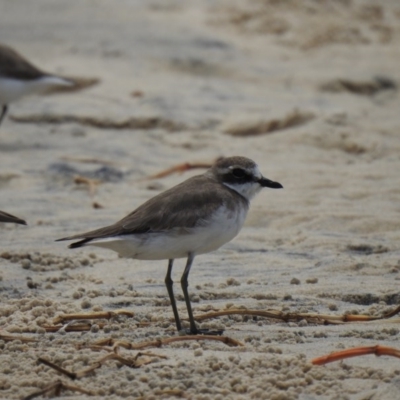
x=56 y=387
x=315 y=318
x=93 y=315
x=78 y=327
x=142 y=123
x=294 y=118
x=69 y=374
x=91 y=183
x=87 y=371
x=378 y=350
x=88 y=160
x=9 y=338
x=161 y=342
x=113 y=356
x=180 y=168
x=167 y=393
x=59 y=369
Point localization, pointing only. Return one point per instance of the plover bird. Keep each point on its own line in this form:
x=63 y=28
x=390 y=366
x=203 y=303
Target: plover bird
x=18 y=77
x=195 y=217
x=5 y=217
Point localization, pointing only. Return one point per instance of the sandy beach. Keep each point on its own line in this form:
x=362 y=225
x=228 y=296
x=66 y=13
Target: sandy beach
x=308 y=90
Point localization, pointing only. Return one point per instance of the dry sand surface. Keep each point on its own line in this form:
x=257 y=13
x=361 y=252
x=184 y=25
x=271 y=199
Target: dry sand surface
x=305 y=88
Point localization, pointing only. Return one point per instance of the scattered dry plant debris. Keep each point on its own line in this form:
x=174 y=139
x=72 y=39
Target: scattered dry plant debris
x=295 y=118
x=136 y=362
x=97 y=205
x=71 y=375
x=7 y=177
x=161 y=394
x=367 y=249
x=93 y=315
x=378 y=350
x=72 y=326
x=9 y=338
x=139 y=360
x=363 y=88
x=91 y=183
x=80 y=83
x=88 y=160
x=75 y=326
x=145 y=123
x=313 y=318
x=54 y=389
x=115 y=344
x=180 y=168
x=137 y=93
x=347 y=22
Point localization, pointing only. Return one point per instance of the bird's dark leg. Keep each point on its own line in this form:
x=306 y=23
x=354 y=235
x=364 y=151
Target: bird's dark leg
x=185 y=284
x=169 y=283
x=3 y=112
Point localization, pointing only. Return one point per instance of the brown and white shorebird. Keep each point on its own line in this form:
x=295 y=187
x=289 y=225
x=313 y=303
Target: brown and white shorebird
x=5 y=217
x=195 y=217
x=18 y=78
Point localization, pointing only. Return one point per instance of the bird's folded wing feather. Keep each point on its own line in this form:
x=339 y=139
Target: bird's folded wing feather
x=185 y=206
x=5 y=217
x=13 y=65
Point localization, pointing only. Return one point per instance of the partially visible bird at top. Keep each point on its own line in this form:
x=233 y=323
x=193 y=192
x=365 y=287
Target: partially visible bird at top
x=18 y=78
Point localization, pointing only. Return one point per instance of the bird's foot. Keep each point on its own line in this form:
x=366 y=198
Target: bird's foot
x=196 y=331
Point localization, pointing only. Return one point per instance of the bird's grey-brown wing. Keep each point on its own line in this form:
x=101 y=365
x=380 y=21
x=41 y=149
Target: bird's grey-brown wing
x=185 y=206
x=13 y=65
x=5 y=217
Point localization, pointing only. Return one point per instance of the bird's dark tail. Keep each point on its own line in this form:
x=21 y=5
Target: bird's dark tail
x=79 y=244
x=76 y=244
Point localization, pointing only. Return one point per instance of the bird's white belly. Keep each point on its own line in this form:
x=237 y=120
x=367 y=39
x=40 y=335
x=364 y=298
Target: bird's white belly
x=223 y=227
x=11 y=90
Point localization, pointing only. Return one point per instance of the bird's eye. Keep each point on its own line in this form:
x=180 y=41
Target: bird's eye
x=238 y=173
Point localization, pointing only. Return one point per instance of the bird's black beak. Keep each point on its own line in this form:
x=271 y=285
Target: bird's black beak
x=264 y=182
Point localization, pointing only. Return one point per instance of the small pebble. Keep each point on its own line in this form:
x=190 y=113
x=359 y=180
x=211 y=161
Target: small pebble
x=198 y=352
x=232 y=282
x=25 y=264
x=86 y=304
